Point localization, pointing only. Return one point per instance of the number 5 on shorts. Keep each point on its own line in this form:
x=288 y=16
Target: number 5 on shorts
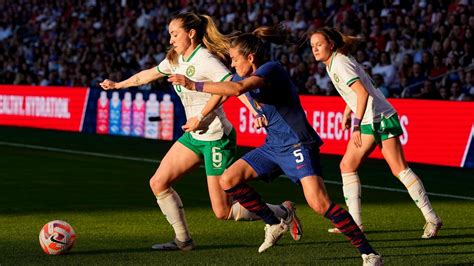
x=298 y=155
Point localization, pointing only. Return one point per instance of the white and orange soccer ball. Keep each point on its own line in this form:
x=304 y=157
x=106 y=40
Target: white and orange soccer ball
x=57 y=237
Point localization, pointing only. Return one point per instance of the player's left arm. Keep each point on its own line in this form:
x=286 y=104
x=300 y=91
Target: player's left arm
x=362 y=98
x=226 y=88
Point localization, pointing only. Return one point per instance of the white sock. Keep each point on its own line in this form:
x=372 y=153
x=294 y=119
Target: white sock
x=239 y=213
x=172 y=207
x=417 y=193
x=352 y=193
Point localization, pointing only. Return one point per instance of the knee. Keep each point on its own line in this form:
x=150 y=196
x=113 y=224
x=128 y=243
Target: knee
x=320 y=206
x=347 y=166
x=225 y=181
x=158 y=183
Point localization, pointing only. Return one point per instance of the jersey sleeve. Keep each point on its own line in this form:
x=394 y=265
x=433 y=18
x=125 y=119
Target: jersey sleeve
x=217 y=70
x=346 y=70
x=164 y=67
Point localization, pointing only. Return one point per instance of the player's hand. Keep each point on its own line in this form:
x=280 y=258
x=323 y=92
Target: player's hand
x=346 y=121
x=108 y=84
x=260 y=121
x=178 y=79
x=356 y=138
x=191 y=125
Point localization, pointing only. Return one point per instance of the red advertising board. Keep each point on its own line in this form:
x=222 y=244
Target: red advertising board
x=61 y=108
x=435 y=132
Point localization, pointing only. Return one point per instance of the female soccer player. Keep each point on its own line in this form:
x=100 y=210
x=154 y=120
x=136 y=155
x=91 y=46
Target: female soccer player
x=197 y=48
x=291 y=145
x=375 y=123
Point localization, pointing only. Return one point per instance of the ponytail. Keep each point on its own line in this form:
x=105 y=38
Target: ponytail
x=257 y=42
x=206 y=32
x=215 y=42
x=343 y=44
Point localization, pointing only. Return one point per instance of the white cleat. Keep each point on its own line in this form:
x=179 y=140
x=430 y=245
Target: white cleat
x=272 y=234
x=431 y=229
x=337 y=231
x=372 y=260
x=295 y=228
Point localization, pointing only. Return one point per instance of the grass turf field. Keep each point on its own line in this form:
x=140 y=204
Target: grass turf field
x=108 y=202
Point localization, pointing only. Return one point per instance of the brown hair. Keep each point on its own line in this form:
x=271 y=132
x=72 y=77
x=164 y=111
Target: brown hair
x=256 y=42
x=206 y=33
x=343 y=44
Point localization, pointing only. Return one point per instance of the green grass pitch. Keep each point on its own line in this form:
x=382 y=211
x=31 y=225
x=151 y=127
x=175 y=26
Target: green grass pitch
x=108 y=202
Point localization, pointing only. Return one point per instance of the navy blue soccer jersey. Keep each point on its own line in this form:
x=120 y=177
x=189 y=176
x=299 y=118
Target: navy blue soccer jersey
x=278 y=100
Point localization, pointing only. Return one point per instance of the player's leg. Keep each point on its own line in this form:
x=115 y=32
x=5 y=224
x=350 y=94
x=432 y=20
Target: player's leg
x=177 y=161
x=351 y=185
x=318 y=199
x=307 y=171
x=226 y=209
x=393 y=153
x=233 y=181
x=219 y=155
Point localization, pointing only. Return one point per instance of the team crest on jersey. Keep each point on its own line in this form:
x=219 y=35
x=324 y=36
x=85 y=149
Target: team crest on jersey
x=336 y=78
x=190 y=71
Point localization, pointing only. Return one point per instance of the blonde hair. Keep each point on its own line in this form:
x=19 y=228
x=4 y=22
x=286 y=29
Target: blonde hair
x=343 y=44
x=206 y=33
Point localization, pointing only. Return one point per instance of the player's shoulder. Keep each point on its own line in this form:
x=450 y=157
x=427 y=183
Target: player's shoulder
x=204 y=53
x=273 y=64
x=342 y=60
x=270 y=67
x=236 y=77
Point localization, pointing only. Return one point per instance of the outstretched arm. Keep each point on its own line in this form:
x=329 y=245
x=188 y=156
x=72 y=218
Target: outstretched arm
x=227 y=88
x=142 y=77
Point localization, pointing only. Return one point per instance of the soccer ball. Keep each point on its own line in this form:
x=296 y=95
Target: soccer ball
x=57 y=237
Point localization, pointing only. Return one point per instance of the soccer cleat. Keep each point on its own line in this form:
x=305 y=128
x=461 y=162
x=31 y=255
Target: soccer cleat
x=296 y=230
x=175 y=245
x=273 y=233
x=431 y=229
x=337 y=231
x=372 y=260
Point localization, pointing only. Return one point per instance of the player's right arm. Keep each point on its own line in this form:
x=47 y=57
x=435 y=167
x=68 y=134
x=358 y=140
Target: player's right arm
x=141 y=78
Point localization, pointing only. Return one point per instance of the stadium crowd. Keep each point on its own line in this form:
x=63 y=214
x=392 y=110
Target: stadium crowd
x=419 y=49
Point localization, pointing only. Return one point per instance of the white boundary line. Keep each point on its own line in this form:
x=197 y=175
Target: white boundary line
x=128 y=158
x=466 y=150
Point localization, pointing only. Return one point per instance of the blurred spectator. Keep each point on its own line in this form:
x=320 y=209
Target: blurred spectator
x=379 y=84
x=416 y=80
x=456 y=92
x=322 y=79
x=428 y=91
x=387 y=71
x=67 y=42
